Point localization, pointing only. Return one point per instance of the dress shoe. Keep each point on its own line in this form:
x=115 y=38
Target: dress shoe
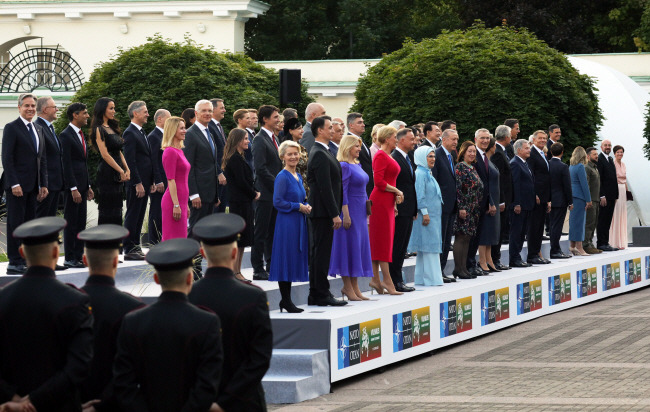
x=536 y=261
x=461 y=275
x=593 y=250
x=560 y=255
x=289 y=307
x=519 y=264
x=16 y=269
x=328 y=301
x=135 y=255
x=546 y=261
x=59 y=267
x=261 y=276
x=501 y=266
x=74 y=264
x=492 y=269
x=401 y=287
x=447 y=279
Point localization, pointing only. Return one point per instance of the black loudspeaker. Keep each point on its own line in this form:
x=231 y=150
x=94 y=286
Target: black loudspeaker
x=290 y=82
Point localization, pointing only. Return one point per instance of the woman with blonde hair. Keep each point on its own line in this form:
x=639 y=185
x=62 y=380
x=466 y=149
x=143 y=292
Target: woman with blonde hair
x=373 y=135
x=351 y=245
x=177 y=168
x=581 y=201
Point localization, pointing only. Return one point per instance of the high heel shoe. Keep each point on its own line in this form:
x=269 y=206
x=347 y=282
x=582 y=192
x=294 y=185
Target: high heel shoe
x=574 y=251
x=289 y=307
x=582 y=253
x=460 y=275
x=492 y=268
x=390 y=289
x=241 y=277
x=351 y=297
x=374 y=288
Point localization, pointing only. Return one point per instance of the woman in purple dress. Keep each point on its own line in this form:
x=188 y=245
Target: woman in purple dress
x=177 y=168
x=351 y=244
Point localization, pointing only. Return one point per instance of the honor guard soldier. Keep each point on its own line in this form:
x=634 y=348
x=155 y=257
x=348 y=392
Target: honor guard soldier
x=110 y=305
x=169 y=354
x=45 y=328
x=244 y=313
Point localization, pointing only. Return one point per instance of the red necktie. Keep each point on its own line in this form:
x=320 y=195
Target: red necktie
x=83 y=140
x=274 y=142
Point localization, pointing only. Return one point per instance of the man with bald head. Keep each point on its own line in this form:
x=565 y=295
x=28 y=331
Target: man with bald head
x=608 y=195
x=312 y=111
x=155 y=140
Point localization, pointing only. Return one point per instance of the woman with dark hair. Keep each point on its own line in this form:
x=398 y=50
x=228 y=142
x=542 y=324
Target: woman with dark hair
x=490 y=229
x=112 y=170
x=469 y=192
x=618 y=228
x=293 y=132
x=239 y=176
x=189 y=116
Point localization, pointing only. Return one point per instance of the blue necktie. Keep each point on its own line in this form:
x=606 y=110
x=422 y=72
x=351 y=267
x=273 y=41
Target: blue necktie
x=410 y=165
x=34 y=138
x=451 y=162
x=214 y=153
x=56 y=139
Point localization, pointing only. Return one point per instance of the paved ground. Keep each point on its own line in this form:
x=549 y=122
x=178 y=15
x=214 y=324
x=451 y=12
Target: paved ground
x=594 y=357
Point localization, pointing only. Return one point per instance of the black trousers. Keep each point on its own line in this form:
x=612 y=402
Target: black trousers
x=49 y=205
x=136 y=208
x=558 y=214
x=206 y=209
x=75 y=214
x=474 y=242
x=605 y=215
x=495 y=251
x=321 y=250
x=536 y=229
x=263 y=236
x=446 y=230
x=518 y=228
x=403 y=227
x=222 y=192
x=19 y=210
x=155 y=218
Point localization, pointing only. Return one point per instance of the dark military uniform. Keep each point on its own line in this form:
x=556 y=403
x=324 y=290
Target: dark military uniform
x=247 y=337
x=109 y=306
x=45 y=341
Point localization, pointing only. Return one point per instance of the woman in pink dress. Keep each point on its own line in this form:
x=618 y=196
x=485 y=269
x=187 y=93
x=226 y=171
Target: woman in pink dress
x=618 y=229
x=177 y=168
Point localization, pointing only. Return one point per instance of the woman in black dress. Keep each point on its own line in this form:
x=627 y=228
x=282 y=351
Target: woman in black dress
x=112 y=171
x=239 y=176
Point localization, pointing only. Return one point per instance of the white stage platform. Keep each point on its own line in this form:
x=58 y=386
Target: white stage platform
x=367 y=335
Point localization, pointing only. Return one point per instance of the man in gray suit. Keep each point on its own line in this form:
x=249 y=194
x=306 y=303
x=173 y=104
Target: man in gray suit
x=201 y=152
x=312 y=111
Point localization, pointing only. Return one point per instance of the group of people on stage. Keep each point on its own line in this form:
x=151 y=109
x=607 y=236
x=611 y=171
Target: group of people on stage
x=201 y=346
x=318 y=202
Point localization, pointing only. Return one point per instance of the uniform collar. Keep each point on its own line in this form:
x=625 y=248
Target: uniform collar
x=100 y=280
x=219 y=272
x=40 y=271
x=172 y=296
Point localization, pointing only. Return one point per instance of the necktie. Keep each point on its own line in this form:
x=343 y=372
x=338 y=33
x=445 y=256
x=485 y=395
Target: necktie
x=56 y=139
x=451 y=162
x=83 y=140
x=146 y=141
x=410 y=164
x=611 y=161
x=485 y=160
x=34 y=139
x=274 y=142
x=207 y=132
x=223 y=134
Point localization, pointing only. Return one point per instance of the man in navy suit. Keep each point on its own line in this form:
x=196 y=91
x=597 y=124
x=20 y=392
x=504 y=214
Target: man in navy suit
x=513 y=124
x=501 y=162
x=523 y=189
x=46 y=112
x=25 y=174
x=267 y=166
x=554 y=135
x=608 y=195
x=137 y=153
x=219 y=137
x=78 y=190
x=155 y=141
x=357 y=127
x=538 y=164
x=445 y=174
x=482 y=140
x=432 y=135
x=337 y=135
x=561 y=198
x=312 y=111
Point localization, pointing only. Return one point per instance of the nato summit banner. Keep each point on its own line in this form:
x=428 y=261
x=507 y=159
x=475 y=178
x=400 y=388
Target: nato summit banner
x=587 y=282
x=529 y=296
x=411 y=329
x=559 y=289
x=632 y=271
x=495 y=306
x=455 y=316
x=359 y=343
x=611 y=276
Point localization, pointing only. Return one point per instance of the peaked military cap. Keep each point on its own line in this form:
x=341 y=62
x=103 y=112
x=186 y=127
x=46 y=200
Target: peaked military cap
x=219 y=228
x=40 y=230
x=103 y=236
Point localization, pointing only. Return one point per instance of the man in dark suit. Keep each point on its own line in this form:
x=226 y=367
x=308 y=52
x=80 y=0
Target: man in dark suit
x=357 y=127
x=591 y=220
x=45 y=328
x=608 y=195
x=219 y=136
x=312 y=111
x=109 y=306
x=267 y=166
x=25 y=174
x=407 y=211
x=242 y=118
x=561 y=198
x=247 y=346
x=46 y=112
x=538 y=165
x=554 y=135
x=513 y=124
x=482 y=140
x=169 y=354
x=501 y=162
x=432 y=135
x=78 y=191
x=140 y=160
x=155 y=141
x=326 y=199
x=337 y=135
x=445 y=175
x=523 y=202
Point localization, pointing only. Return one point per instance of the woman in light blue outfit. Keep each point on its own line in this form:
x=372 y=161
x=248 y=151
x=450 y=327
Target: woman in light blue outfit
x=426 y=237
x=581 y=201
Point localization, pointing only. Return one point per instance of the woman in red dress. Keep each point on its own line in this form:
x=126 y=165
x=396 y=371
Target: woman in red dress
x=382 y=220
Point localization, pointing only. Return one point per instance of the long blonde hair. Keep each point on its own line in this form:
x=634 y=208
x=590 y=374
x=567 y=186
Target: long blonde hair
x=169 y=131
x=579 y=156
x=347 y=143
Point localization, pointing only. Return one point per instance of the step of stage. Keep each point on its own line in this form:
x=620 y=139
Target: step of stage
x=296 y=375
